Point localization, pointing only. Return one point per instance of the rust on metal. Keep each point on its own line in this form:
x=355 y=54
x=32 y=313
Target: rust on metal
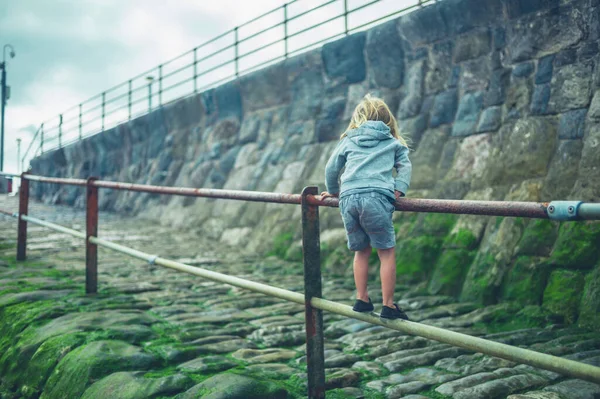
x=315 y=357
x=91 y=249
x=23 y=209
x=57 y=180
x=6 y=212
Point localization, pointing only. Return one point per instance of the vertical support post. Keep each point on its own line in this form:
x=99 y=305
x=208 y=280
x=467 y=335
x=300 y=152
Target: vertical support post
x=285 y=29
x=23 y=209
x=237 y=67
x=196 y=70
x=80 y=124
x=311 y=249
x=60 y=131
x=160 y=85
x=42 y=139
x=129 y=99
x=103 y=108
x=91 y=250
x=346 y=17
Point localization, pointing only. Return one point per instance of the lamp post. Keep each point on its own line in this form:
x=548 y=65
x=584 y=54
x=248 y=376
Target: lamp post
x=150 y=79
x=18 y=155
x=3 y=100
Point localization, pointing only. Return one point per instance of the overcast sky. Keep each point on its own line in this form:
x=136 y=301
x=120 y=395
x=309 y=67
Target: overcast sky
x=70 y=50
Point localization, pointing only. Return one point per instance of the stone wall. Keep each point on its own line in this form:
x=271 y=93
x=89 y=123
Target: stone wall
x=501 y=101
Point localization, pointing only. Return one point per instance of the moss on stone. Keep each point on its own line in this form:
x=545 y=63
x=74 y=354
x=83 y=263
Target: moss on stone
x=563 y=293
x=526 y=281
x=281 y=244
x=538 y=238
x=589 y=315
x=462 y=239
x=434 y=224
x=577 y=245
x=415 y=257
x=450 y=271
x=477 y=287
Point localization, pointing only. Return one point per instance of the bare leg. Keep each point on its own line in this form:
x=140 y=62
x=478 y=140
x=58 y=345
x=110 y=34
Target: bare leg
x=387 y=272
x=361 y=273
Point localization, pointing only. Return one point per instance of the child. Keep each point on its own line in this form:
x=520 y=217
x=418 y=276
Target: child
x=369 y=149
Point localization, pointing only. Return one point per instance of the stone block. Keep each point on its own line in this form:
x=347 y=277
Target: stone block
x=540 y=99
x=518 y=98
x=490 y=120
x=467 y=115
x=588 y=50
x=344 y=58
x=496 y=92
x=563 y=294
x=544 y=69
x=577 y=246
x=571 y=88
x=517 y=8
x=594 y=111
x=471 y=161
x=386 y=55
x=527 y=148
x=444 y=108
x=439 y=67
x=526 y=281
x=411 y=104
x=229 y=101
x=475 y=75
x=454 y=77
x=423 y=26
x=590 y=301
x=464 y=15
x=426 y=158
x=538 y=238
x=523 y=69
x=563 y=169
x=328 y=125
x=413 y=129
x=499 y=38
x=450 y=271
x=265 y=88
x=543 y=33
x=567 y=56
x=572 y=124
x=472 y=45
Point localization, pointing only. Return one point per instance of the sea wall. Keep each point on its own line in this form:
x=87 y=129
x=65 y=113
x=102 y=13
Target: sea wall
x=500 y=99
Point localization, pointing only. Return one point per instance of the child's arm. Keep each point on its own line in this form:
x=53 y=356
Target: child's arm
x=403 y=169
x=332 y=169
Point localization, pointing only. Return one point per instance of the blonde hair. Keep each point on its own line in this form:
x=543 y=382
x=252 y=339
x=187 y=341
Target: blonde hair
x=374 y=109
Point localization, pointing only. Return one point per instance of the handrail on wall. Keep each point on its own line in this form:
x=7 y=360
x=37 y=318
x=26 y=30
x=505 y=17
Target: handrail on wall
x=92 y=115
x=312 y=298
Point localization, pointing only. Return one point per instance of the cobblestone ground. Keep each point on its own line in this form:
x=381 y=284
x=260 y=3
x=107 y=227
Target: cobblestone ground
x=195 y=328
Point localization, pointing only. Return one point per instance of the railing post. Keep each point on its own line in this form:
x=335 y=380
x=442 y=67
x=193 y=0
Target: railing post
x=42 y=139
x=160 y=85
x=285 y=29
x=60 y=131
x=23 y=209
x=346 y=17
x=129 y=99
x=237 y=68
x=103 y=108
x=80 y=124
x=312 y=288
x=91 y=250
x=195 y=70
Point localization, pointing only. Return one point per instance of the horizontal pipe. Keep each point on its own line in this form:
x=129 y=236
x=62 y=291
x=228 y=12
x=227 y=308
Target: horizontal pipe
x=589 y=211
x=525 y=356
x=56 y=180
x=9 y=174
x=53 y=226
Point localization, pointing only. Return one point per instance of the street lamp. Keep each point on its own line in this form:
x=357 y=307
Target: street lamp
x=3 y=100
x=150 y=79
x=18 y=155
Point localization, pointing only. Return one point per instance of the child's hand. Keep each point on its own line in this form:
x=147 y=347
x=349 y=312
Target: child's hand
x=398 y=194
x=325 y=194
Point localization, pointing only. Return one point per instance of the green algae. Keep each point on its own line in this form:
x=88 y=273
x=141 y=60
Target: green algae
x=416 y=257
x=563 y=293
x=577 y=245
x=538 y=238
x=526 y=281
x=450 y=271
x=462 y=239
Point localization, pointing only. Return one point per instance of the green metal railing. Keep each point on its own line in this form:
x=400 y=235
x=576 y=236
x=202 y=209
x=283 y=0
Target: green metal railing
x=243 y=49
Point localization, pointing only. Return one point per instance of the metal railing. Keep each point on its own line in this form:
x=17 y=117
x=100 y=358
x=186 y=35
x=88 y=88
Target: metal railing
x=312 y=298
x=243 y=49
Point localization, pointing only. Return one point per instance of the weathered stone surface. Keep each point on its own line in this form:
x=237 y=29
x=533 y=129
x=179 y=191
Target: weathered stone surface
x=535 y=395
x=344 y=58
x=467 y=115
x=134 y=385
x=540 y=99
x=234 y=386
x=411 y=103
x=439 y=71
x=576 y=389
x=386 y=55
x=472 y=45
x=526 y=281
x=208 y=364
x=544 y=70
x=89 y=363
x=571 y=88
x=501 y=388
x=590 y=301
x=253 y=356
x=563 y=293
x=572 y=124
x=563 y=170
x=589 y=169
x=490 y=120
x=526 y=151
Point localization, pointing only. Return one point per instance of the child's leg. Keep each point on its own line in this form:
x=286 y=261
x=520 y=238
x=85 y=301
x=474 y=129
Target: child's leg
x=361 y=273
x=387 y=273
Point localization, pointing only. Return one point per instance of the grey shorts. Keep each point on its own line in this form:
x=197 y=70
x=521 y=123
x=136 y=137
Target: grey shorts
x=368 y=221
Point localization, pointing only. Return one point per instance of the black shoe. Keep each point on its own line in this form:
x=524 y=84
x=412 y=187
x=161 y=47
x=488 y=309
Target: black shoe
x=391 y=313
x=362 y=306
